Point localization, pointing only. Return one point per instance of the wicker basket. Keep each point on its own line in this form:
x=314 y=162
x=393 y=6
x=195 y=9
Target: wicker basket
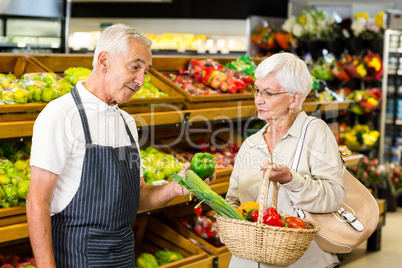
x=264 y=243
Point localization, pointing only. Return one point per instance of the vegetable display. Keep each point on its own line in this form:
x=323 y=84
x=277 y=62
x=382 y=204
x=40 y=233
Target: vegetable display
x=203 y=164
x=205 y=77
x=205 y=226
x=161 y=257
x=196 y=186
x=14 y=175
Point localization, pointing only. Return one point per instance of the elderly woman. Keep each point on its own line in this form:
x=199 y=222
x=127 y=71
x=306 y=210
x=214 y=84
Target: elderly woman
x=282 y=84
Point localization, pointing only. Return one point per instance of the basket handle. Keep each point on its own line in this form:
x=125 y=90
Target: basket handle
x=265 y=184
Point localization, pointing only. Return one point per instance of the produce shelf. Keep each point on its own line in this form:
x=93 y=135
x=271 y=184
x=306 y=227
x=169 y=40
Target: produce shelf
x=58 y=63
x=18 y=65
x=13 y=232
x=166 y=64
x=220 y=252
x=152 y=235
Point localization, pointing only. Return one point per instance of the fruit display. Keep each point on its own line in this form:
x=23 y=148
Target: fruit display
x=16 y=262
x=244 y=65
x=224 y=154
x=149 y=91
x=158 y=166
x=161 y=257
x=75 y=74
x=32 y=87
x=15 y=174
x=206 y=77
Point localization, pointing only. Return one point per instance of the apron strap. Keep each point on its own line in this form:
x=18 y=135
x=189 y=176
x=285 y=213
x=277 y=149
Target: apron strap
x=129 y=132
x=84 y=120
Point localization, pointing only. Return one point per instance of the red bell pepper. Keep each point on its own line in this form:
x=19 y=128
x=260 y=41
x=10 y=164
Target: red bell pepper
x=272 y=217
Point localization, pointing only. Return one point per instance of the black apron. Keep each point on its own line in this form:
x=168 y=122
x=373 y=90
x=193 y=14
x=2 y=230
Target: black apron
x=94 y=229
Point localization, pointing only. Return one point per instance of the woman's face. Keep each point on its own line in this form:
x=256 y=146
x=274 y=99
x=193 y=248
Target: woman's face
x=271 y=106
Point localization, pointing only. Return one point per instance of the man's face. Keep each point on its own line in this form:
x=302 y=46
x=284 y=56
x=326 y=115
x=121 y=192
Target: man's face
x=126 y=73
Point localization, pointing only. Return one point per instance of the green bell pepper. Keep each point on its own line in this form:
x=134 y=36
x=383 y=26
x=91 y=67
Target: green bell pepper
x=203 y=164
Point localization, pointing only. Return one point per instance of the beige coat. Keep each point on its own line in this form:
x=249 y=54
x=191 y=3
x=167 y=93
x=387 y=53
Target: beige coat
x=317 y=186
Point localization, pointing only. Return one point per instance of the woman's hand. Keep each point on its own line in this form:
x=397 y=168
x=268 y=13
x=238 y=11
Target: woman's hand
x=279 y=173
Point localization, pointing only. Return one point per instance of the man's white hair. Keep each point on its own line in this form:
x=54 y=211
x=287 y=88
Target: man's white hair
x=114 y=40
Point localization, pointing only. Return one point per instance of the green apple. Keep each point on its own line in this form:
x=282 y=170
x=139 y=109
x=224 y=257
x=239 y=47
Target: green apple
x=21 y=164
x=49 y=78
x=21 y=95
x=30 y=77
x=7 y=96
x=48 y=94
x=31 y=90
x=58 y=90
x=66 y=86
x=11 y=76
x=4 y=180
x=37 y=94
x=6 y=82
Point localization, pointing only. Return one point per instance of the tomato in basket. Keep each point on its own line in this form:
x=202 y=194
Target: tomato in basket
x=295 y=222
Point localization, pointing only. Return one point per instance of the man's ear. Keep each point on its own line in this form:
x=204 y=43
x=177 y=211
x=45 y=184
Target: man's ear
x=103 y=61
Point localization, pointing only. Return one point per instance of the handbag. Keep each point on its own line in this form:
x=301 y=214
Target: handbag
x=343 y=230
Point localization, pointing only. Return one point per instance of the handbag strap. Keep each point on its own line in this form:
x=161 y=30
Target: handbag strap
x=299 y=147
x=345 y=214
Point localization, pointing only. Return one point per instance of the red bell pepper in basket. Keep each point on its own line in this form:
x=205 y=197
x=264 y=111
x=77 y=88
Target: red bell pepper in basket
x=272 y=217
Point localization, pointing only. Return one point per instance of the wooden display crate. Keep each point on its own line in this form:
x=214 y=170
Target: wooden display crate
x=58 y=63
x=12 y=215
x=172 y=219
x=19 y=65
x=173 y=64
x=152 y=235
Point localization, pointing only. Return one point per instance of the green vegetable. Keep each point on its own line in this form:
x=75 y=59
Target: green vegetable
x=165 y=257
x=22 y=189
x=11 y=192
x=5 y=204
x=203 y=164
x=4 y=180
x=2 y=196
x=200 y=189
x=146 y=260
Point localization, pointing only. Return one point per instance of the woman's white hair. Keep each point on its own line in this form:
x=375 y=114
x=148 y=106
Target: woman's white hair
x=291 y=72
x=114 y=40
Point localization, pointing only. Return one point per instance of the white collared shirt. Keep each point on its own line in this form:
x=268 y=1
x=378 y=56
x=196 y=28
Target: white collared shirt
x=58 y=141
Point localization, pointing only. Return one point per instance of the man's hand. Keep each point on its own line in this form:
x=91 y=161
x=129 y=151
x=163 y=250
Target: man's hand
x=183 y=191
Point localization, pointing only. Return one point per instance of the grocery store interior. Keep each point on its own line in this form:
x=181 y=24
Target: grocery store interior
x=353 y=50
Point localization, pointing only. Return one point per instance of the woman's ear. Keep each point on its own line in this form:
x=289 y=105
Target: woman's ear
x=103 y=61
x=295 y=100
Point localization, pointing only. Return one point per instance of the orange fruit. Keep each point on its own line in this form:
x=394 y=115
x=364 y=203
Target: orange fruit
x=246 y=207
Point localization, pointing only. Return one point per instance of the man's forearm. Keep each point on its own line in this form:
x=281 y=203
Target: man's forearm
x=152 y=197
x=40 y=233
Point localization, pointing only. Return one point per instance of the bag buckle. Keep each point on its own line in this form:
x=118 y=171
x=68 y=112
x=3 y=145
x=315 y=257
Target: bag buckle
x=350 y=218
